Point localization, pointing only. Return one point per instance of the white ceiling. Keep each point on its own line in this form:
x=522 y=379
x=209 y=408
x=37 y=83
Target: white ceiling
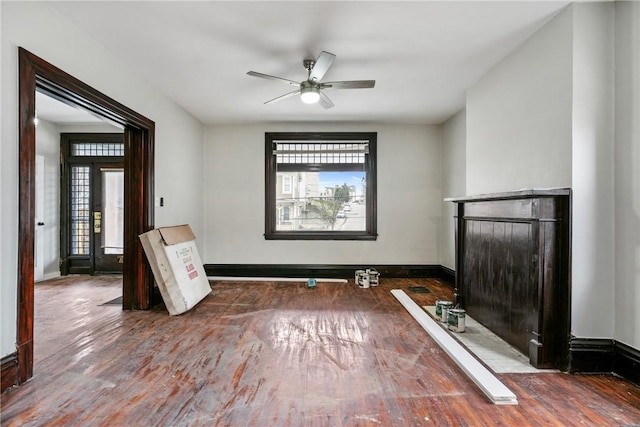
x=424 y=55
x=54 y=111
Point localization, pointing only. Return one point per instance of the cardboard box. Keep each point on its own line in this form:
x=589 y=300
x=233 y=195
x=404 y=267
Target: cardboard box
x=176 y=266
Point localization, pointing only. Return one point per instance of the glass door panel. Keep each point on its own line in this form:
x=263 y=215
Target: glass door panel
x=113 y=211
x=108 y=218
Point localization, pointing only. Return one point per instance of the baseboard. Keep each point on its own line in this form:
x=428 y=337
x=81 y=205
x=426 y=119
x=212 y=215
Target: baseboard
x=337 y=271
x=626 y=362
x=591 y=355
x=9 y=371
x=448 y=275
x=597 y=355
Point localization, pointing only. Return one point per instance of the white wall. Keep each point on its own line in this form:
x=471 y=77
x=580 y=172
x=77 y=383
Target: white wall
x=543 y=118
x=627 y=174
x=40 y=29
x=592 y=173
x=454 y=172
x=5 y=292
x=409 y=199
x=48 y=145
x=519 y=116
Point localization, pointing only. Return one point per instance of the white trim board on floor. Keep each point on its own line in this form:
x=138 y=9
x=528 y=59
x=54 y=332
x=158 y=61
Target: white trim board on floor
x=272 y=279
x=493 y=388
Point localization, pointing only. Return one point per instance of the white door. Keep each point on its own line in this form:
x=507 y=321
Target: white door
x=38 y=259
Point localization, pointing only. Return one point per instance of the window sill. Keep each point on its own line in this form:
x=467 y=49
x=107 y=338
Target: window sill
x=320 y=235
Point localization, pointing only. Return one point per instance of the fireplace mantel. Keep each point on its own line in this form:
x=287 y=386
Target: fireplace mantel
x=513 y=268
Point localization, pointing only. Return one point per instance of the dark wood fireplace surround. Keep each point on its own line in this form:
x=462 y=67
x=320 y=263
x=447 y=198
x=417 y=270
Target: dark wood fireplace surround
x=513 y=269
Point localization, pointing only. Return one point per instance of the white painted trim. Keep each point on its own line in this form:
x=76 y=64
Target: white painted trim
x=497 y=392
x=272 y=279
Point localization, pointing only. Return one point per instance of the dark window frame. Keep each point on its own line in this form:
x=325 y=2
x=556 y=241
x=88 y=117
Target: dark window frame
x=370 y=232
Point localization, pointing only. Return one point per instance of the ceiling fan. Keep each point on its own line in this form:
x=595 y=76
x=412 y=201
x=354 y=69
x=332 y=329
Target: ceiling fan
x=310 y=90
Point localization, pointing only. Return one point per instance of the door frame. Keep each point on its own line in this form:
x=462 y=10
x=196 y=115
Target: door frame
x=139 y=134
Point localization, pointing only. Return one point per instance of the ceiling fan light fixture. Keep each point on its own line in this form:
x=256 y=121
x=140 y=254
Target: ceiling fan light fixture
x=310 y=94
x=309 y=89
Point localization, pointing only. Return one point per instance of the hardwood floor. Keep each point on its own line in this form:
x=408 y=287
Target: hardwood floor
x=275 y=354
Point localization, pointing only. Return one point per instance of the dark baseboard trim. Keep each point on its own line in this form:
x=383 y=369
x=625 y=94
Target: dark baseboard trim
x=626 y=362
x=338 y=271
x=591 y=355
x=9 y=371
x=599 y=356
x=448 y=275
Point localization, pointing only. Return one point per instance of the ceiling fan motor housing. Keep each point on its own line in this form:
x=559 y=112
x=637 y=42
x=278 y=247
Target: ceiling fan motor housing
x=308 y=64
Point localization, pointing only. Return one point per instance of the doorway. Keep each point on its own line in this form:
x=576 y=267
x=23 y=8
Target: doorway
x=37 y=74
x=92 y=203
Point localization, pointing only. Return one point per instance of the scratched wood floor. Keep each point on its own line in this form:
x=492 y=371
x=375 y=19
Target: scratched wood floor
x=275 y=354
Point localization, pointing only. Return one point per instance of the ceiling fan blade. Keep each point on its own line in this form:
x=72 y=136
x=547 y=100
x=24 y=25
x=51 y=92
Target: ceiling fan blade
x=320 y=68
x=268 y=77
x=353 y=84
x=285 y=96
x=325 y=101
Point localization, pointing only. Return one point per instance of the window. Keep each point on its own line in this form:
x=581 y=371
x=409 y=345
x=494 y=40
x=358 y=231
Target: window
x=98 y=149
x=320 y=186
x=80 y=188
x=286 y=184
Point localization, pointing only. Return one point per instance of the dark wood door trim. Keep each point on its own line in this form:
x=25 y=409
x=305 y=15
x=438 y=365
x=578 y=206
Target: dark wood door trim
x=139 y=132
